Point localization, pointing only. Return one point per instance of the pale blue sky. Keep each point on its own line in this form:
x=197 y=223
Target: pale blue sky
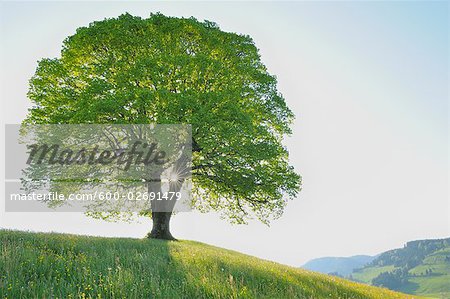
x=368 y=82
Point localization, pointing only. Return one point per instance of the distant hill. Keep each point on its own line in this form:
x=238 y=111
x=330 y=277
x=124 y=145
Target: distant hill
x=341 y=266
x=38 y=265
x=420 y=268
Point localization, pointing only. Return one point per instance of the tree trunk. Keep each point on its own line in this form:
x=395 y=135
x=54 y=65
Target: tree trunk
x=162 y=210
x=161 y=226
x=161 y=213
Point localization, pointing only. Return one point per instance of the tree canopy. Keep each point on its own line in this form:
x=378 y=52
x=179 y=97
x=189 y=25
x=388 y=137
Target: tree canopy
x=167 y=70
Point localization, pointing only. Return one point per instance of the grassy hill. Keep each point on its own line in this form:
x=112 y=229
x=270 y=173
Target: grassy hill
x=38 y=265
x=421 y=267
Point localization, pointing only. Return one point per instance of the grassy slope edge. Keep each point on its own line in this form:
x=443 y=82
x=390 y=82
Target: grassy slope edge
x=42 y=265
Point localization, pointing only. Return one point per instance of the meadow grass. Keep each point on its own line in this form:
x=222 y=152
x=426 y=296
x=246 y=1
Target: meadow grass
x=367 y=274
x=43 y=265
x=435 y=285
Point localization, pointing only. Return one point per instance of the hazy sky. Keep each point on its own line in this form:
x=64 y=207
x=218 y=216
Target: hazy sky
x=368 y=82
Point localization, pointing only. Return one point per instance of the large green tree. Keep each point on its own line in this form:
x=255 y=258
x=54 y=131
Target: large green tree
x=167 y=70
